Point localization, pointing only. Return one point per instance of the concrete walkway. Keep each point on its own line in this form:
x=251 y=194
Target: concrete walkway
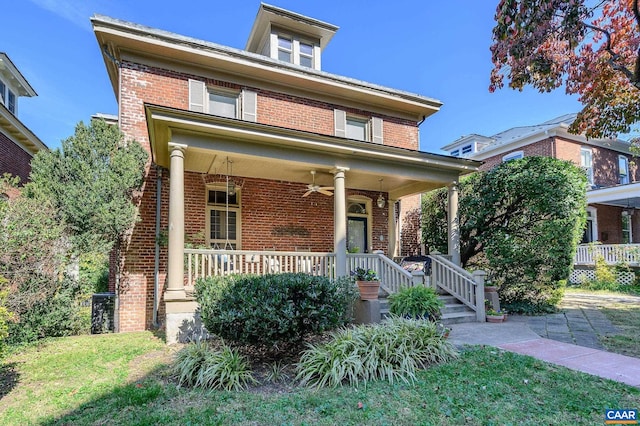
x=568 y=338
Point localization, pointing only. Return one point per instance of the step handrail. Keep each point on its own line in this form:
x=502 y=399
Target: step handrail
x=455 y=280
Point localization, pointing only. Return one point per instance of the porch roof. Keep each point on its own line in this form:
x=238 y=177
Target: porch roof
x=271 y=152
x=619 y=195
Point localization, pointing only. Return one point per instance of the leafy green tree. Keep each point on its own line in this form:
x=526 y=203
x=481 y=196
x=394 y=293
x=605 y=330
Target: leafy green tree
x=91 y=181
x=524 y=219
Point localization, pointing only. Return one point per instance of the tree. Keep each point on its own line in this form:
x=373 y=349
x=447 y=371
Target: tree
x=591 y=47
x=91 y=181
x=523 y=220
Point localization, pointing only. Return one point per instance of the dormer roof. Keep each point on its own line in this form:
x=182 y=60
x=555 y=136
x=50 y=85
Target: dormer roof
x=269 y=16
x=10 y=73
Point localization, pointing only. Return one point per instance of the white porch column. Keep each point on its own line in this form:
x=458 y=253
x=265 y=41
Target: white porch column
x=454 y=224
x=175 y=253
x=393 y=225
x=340 y=221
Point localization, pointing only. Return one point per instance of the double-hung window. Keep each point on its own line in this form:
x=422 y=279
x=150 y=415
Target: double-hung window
x=223 y=218
x=3 y=89
x=623 y=170
x=357 y=128
x=627 y=235
x=586 y=161
x=294 y=50
x=224 y=104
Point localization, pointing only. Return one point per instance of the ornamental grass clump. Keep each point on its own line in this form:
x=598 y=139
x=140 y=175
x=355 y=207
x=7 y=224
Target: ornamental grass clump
x=200 y=366
x=416 y=302
x=393 y=351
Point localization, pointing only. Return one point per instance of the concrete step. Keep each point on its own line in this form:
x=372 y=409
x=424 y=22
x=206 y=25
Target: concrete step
x=458 y=317
x=450 y=308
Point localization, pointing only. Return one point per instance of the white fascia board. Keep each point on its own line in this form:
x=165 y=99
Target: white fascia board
x=613 y=193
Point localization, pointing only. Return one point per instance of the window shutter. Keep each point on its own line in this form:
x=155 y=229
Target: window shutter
x=376 y=126
x=340 y=123
x=249 y=105
x=197 y=95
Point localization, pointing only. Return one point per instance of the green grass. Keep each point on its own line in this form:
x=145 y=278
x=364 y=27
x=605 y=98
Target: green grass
x=125 y=379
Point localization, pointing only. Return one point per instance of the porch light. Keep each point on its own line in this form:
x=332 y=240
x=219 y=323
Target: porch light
x=381 y=201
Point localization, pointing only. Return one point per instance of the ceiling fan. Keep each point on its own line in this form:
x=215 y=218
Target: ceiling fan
x=312 y=187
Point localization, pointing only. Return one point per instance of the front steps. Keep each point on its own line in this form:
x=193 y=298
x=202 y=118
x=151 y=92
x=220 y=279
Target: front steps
x=453 y=312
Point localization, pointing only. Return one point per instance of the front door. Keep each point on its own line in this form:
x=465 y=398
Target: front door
x=357 y=235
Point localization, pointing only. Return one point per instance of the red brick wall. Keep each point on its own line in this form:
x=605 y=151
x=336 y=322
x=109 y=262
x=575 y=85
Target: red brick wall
x=609 y=224
x=13 y=159
x=543 y=148
x=261 y=210
x=410 y=233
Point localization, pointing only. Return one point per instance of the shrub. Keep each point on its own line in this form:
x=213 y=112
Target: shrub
x=416 y=302
x=392 y=351
x=6 y=317
x=198 y=365
x=273 y=309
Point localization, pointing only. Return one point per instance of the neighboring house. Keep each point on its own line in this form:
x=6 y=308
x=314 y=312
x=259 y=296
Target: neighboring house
x=18 y=144
x=234 y=136
x=613 y=195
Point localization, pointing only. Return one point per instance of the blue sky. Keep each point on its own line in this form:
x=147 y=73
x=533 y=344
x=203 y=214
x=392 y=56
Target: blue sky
x=437 y=49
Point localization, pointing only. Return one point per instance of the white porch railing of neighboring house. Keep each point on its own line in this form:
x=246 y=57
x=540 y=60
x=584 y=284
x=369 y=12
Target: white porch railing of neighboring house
x=467 y=288
x=202 y=263
x=613 y=254
x=392 y=276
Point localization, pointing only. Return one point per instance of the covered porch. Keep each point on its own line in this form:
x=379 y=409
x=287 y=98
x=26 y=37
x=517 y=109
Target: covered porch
x=266 y=163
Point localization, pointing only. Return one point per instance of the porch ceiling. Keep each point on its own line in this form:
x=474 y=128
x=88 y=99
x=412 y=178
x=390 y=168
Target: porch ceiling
x=619 y=195
x=275 y=153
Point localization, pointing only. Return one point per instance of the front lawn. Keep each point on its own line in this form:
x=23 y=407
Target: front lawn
x=126 y=379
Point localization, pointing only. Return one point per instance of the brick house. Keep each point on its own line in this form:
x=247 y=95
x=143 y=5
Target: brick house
x=612 y=170
x=18 y=144
x=260 y=161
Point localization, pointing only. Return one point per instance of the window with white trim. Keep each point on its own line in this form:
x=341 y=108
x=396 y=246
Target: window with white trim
x=586 y=161
x=357 y=128
x=294 y=49
x=3 y=89
x=223 y=218
x=467 y=149
x=11 y=101
x=627 y=234
x=513 y=156
x=623 y=170
x=455 y=153
x=224 y=103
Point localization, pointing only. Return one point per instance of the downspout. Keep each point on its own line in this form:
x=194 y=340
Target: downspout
x=156 y=265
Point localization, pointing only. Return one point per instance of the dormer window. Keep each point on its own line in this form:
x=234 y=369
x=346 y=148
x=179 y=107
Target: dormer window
x=285 y=48
x=455 y=153
x=11 y=101
x=3 y=89
x=467 y=149
x=294 y=49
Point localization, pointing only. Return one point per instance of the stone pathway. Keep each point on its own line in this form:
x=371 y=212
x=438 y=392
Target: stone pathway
x=580 y=321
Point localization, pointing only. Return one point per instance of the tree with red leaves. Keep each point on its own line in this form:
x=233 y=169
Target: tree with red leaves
x=589 y=46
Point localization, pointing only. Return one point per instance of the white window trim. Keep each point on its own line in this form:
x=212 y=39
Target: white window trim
x=296 y=39
x=359 y=119
x=594 y=222
x=222 y=91
x=630 y=222
x=368 y=202
x=626 y=174
x=222 y=207
x=588 y=169
x=517 y=155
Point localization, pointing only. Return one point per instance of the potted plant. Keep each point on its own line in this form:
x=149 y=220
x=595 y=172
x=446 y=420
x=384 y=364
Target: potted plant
x=416 y=302
x=494 y=316
x=368 y=283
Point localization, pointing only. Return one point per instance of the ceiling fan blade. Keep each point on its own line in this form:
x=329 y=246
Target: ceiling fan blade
x=327 y=188
x=323 y=191
x=307 y=193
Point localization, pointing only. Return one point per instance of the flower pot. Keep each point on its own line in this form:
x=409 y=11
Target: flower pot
x=368 y=289
x=495 y=318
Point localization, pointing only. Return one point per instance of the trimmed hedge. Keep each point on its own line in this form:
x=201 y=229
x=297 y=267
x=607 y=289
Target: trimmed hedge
x=273 y=309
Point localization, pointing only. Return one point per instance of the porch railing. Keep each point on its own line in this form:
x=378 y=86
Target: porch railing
x=202 y=263
x=392 y=276
x=467 y=288
x=612 y=254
